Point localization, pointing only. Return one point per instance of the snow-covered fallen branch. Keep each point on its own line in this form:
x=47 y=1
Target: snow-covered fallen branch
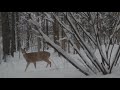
x=60 y=50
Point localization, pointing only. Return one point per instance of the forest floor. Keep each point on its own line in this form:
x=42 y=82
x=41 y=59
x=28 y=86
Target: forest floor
x=14 y=68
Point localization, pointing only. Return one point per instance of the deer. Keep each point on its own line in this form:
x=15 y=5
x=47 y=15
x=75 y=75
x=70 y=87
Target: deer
x=34 y=57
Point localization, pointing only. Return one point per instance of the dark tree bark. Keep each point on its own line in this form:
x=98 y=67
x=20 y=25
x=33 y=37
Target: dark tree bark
x=5 y=34
x=28 y=37
x=13 y=43
x=18 y=32
x=63 y=41
x=69 y=47
x=39 y=43
x=47 y=29
x=56 y=32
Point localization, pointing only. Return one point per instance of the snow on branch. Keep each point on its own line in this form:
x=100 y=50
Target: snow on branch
x=64 y=54
x=60 y=50
x=88 y=34
x=48 y=17
x=66 y=27
x=80 y=54
x=95 y=60
x=86 y=47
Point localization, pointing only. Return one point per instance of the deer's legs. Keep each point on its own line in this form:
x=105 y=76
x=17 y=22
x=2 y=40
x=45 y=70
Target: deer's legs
x=35 y=64
x=48 y=64
x=27 y=66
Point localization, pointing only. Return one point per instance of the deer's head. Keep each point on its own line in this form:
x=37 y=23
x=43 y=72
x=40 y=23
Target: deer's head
x=23 y=50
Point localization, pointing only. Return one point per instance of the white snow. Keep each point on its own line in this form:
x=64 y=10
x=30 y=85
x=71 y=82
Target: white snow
x=14 y=68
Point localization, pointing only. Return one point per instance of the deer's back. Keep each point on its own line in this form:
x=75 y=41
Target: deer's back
x=37 y=56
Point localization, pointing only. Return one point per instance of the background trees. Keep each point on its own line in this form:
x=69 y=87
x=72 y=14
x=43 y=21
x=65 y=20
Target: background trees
x=66 y=32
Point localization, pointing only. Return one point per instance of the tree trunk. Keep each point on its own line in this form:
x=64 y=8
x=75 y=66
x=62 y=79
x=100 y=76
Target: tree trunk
x=17 y=32
x=28 y=38
x=39 y=44
x=56 y=32
x=5 y=34
x=13 y=44
x=47 y=29
x=63 y=41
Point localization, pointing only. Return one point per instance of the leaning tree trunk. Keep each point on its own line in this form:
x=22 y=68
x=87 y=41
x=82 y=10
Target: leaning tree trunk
x=60 y=50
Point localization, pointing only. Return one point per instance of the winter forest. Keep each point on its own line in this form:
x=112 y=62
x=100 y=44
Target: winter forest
x=60 y=44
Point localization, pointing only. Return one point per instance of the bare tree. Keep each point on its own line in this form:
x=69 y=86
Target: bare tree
x=87 y=29
x=5 y=34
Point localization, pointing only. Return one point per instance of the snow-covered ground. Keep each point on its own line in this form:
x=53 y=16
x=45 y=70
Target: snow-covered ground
x=14 y=68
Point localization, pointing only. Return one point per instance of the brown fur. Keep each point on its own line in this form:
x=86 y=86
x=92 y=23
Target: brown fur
x=35 y=57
